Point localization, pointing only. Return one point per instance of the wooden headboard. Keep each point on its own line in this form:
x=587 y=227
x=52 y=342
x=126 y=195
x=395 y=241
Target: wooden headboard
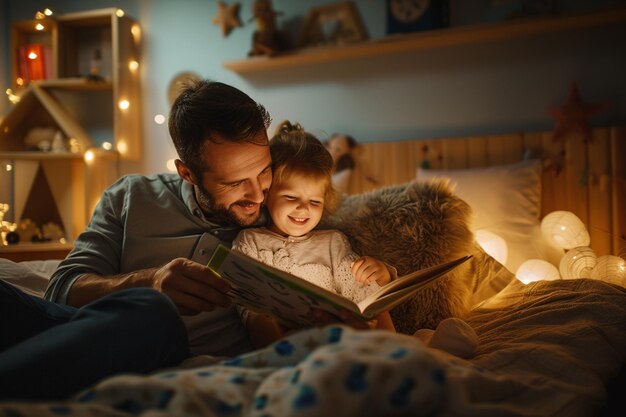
x=587 y=178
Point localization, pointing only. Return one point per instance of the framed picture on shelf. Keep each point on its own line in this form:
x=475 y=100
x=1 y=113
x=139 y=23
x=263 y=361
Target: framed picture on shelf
x=332 y=24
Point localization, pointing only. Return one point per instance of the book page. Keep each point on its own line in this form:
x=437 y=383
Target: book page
x=415 y=280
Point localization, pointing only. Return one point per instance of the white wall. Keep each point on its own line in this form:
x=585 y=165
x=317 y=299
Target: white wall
x=481 y=89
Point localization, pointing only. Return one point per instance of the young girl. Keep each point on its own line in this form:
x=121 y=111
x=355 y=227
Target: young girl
x=300 y=192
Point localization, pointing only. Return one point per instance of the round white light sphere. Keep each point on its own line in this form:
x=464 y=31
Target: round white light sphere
x=564 y=229
x=537 y=270
x=577 y=263
x=611 y=269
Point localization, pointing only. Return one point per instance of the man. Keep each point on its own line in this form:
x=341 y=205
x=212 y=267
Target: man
x=148 y=241
x=155 y=233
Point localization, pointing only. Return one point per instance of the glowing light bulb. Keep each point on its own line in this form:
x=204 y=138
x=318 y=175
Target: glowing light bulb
x=122 y=146
x=124 y=104
x=32 y=55
x=136 y=31
x=565 y=230
x=159 y=119
x=89 y=156
x=536 y=270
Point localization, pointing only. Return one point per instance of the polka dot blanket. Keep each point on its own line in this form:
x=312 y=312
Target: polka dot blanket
x=319 y=372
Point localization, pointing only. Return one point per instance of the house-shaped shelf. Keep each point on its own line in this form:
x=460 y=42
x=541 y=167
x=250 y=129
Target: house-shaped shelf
x=59 y=186
x=38 y=108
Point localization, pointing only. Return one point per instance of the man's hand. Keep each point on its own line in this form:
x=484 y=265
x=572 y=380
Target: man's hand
x=193 y=287
x=367 y=270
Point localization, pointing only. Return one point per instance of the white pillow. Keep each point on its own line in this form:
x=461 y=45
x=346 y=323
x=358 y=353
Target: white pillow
x=506 y=200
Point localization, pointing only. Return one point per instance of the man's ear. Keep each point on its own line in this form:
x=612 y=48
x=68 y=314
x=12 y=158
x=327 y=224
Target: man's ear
x=184 y=172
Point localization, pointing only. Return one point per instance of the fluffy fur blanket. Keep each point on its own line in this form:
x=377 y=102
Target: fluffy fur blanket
x=413 y=226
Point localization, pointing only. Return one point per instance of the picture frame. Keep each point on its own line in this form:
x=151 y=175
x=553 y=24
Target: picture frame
x=332 y=24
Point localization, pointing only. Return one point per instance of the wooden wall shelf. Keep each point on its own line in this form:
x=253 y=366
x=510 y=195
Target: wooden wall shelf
x=471 y=34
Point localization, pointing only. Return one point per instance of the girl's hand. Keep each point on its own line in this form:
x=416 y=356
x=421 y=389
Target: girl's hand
x=367 y=270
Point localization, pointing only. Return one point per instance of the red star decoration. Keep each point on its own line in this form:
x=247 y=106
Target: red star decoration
x=227 y=17
x=573 y=115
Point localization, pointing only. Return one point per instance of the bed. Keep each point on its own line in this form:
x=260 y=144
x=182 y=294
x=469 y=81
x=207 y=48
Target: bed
x=477 y=343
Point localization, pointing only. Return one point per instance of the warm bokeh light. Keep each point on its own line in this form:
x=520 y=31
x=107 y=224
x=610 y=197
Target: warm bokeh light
x=13 y=99
x=19 y=81
x=48 y=12
x=89 y=156
x=8 y=167
x=119 y=13
x=133 y=65
x=107 y=146
x=39 y=27
x=171 y=165
x=136 y=31
x=32 y=55
x=159 y=119
x=537 y=270
x=122 y=147
x=124 y=104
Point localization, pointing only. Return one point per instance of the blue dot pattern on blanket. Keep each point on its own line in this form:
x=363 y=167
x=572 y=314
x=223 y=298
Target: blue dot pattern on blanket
x=356 y=382
x=306 y=398
x=333 y=370
x=399 y=397
x=284 y=348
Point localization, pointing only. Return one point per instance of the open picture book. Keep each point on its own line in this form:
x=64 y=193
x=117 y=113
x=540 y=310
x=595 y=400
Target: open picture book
x=288 y=298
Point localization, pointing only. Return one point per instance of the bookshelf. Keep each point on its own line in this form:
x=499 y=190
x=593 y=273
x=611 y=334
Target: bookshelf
x=61 y=143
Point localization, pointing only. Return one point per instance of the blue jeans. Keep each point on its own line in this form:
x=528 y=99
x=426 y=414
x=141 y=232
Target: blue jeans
x=50 y=351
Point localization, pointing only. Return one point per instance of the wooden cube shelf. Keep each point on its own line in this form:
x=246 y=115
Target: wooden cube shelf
x=85 y=95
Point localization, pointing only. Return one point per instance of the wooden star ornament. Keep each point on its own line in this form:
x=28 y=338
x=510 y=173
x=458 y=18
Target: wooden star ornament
x=227 y=17
x=573 y=115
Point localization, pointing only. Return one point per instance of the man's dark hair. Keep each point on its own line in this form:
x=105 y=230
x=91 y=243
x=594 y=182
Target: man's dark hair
x=212 y=111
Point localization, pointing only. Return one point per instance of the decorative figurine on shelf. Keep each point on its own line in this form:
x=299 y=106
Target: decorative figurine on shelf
x=52 y=232
x=227 y=17
x=58 y=142
x=28 y=231
x=95 y=66
x=267 y=39
x=39 y=138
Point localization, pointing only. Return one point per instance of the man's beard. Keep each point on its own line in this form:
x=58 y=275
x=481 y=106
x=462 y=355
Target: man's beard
x=222 y=215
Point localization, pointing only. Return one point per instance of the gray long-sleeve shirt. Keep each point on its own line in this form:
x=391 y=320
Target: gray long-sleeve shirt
x=143 y=222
